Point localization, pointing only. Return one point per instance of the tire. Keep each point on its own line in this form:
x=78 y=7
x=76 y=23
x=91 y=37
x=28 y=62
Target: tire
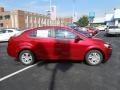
x=94 y=57
x=26 y=57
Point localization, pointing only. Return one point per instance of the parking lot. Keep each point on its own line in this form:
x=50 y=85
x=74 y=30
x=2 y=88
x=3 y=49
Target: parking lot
x=62 y=75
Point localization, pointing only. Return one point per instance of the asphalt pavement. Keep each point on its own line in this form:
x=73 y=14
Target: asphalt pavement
x=62 y=75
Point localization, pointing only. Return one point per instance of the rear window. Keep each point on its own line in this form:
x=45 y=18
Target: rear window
x=41 y=33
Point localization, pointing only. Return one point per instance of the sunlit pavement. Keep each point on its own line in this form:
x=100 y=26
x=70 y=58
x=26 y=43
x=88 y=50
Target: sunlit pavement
x=62 y=75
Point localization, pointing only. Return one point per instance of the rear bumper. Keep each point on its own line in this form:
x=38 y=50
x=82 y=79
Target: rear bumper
x=11 y=48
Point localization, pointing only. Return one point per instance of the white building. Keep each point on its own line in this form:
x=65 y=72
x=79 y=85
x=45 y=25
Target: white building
x=117 y=17
x=109 y=18
x=99 y=20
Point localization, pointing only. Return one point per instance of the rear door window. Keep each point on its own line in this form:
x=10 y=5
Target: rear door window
x=41 y=33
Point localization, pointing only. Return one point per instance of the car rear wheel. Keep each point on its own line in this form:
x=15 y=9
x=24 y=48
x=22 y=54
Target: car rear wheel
x=94 y=57
x=26 y=57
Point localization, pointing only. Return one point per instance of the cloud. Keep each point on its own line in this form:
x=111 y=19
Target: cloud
x=35 y=8
x=44 y=0
x=2 y=4
x=37 y=1
x=64 y=14
x=33 y=2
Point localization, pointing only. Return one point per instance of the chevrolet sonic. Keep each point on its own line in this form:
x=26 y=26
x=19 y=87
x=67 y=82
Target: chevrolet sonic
x=57 y=43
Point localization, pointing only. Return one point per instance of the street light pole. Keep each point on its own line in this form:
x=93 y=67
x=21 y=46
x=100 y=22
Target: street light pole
x=73 y=10
x=50 y=2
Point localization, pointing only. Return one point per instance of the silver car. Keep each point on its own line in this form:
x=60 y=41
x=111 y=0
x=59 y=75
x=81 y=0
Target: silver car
x=113 y=30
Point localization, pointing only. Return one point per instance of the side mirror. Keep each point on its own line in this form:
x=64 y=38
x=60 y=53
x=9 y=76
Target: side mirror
x=77 y=38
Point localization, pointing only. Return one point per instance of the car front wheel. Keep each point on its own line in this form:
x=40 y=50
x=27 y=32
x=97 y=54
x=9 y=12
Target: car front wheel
x=26 y=57
x=94 y=57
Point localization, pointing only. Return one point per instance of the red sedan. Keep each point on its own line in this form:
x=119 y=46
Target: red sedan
x=91 y=30
x=57 y=43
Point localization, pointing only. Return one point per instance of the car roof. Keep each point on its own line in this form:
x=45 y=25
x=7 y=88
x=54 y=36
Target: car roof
x=62 y=27
x=45 y=27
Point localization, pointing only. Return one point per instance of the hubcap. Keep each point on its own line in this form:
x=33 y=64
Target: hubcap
x=94 y=58
x=26 y=58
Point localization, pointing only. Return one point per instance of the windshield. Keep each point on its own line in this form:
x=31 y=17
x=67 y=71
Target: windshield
x=85 y=33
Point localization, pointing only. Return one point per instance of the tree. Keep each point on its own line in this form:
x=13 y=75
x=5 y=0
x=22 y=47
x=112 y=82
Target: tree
x=83 y=21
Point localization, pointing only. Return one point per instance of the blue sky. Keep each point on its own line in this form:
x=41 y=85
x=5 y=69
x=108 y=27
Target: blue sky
x=64 y=7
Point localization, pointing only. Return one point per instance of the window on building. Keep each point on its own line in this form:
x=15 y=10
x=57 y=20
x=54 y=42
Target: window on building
x=118 y=21
x=1 y=24
x=31 y=19
x=7 y=16
x=1 y=17
x=35 y=20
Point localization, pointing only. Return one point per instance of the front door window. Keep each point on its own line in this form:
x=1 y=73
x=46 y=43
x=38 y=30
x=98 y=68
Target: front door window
x=63 y=34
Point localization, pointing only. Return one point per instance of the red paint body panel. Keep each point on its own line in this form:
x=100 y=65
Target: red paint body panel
x=54 y=48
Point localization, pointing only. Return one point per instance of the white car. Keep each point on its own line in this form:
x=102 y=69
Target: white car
x=5 y=34
x=113 y=30
x=101 y=28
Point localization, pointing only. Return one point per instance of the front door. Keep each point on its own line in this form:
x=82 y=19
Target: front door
x=65 y=46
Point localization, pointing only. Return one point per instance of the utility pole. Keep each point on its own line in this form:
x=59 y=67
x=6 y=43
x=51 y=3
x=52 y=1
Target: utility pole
x=50 y=3
x=74 y=12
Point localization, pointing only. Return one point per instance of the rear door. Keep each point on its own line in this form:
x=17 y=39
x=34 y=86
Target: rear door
x=43 y=43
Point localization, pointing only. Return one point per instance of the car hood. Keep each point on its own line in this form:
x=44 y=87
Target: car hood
x=97 y=40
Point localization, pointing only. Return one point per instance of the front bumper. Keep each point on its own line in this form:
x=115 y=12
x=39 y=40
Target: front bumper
x=108 y=53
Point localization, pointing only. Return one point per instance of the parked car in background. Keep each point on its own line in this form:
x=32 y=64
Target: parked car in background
x=5 y=34
x=113 y=30
x=84 y=30
x=72 y=25
x=57 y=43
x=101 y=28
x=91 y=31
x=77 y=28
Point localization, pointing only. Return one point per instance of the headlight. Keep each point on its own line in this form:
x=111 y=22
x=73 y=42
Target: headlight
x=107 y=45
